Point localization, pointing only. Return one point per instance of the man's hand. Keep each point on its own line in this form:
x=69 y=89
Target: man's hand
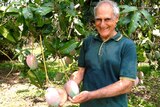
x=63 y=96
x=81 y=97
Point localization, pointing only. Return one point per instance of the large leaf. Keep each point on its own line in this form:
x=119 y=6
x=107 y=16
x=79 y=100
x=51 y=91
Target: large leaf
x=147 y=16
x=3 y=8
x=12 y=10
x=6 y=34
x=48 y=45
x=48 y=4
x=40 y=21
x=124 y=20
x=134 y=22
x=27 y=13
x=127 y=8
x=34 y=79
x=68 y=47
x=43 y=10
x=37 y=1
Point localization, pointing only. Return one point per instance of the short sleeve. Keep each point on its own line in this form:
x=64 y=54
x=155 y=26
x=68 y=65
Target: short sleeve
x=129 y=61
x=85 y=45
x=81 y=59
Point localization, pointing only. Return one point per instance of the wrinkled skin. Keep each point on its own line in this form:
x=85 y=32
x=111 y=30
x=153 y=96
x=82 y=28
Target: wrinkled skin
x=105 y=21
x=82 y=97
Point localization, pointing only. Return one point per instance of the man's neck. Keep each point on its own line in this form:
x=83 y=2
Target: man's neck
x=108 y=37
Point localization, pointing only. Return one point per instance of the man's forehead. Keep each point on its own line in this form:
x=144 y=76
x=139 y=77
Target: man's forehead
x=104 y=8
x=104 y=5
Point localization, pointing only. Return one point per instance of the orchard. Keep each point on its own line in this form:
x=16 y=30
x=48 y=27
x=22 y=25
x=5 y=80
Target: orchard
x=41 y=40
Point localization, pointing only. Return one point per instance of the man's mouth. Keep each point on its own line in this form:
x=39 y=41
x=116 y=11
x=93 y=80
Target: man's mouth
x=104 y=29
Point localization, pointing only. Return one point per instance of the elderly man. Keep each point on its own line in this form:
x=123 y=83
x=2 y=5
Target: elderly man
x=107 y=62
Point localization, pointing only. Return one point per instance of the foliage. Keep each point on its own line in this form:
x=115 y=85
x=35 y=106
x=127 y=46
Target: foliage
x=59 y=26
x=146 y=94
x=62 y=25
x=138 y=22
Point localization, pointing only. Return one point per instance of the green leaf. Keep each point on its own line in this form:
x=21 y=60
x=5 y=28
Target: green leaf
x=134 y=22
x=34 y=78
x=79 y=30
x=78 y=22
x=63 y=22
x=124 y=20
x=3 y=8
x=48 y=45
x=147 y=16
x=12 y=10
x=140 y=52
x=68 y=47
x=127 y=8
x=48 y=4
x=37 y=1
x=43 y=10
x=40 y=21
x=6 y=34
x=134 y=1
x=27 y=13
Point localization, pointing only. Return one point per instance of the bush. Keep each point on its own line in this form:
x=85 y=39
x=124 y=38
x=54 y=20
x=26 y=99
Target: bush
x=146 y=94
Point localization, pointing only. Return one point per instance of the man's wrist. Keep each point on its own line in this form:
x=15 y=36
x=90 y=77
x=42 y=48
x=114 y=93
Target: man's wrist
x=93 y=95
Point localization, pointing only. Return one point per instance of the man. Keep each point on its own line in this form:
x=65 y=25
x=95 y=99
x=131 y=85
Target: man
x=107 y=62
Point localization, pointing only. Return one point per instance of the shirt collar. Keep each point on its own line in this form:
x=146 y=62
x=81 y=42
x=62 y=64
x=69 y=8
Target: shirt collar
x=116 y=38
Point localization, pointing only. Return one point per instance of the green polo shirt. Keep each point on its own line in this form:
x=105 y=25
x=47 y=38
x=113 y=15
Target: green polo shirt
x=105 y=63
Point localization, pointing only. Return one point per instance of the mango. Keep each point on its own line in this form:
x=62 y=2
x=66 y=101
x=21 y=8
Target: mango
x=32 y=61
x=71 y=88
x=52 y=97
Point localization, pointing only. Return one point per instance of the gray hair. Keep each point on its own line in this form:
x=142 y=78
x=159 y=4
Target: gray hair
x=111 y=3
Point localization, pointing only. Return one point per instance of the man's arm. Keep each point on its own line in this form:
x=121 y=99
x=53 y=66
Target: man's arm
x=120 y=87
x=77 y=76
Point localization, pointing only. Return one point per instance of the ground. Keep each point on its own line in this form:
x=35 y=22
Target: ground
x=17 y=92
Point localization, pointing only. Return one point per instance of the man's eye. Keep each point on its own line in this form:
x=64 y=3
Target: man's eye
x=107 y=19
x=98 y=19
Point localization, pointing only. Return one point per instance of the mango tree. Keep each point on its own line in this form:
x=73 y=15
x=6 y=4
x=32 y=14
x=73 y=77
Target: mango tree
x=56 y=26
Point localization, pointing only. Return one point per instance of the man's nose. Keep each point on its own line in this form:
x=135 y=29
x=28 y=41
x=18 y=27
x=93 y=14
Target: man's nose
x=102 y=24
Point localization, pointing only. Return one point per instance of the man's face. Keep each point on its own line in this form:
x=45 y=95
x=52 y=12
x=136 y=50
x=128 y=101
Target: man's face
x=105 y=21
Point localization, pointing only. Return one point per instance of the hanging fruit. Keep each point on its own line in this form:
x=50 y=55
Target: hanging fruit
x=32 y=62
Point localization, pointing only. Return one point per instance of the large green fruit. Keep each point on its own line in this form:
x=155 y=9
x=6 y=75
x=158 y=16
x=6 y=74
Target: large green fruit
x=71 y=88
x=32 y=61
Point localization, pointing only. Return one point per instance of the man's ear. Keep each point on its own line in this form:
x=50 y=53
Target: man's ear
x=117 y=18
